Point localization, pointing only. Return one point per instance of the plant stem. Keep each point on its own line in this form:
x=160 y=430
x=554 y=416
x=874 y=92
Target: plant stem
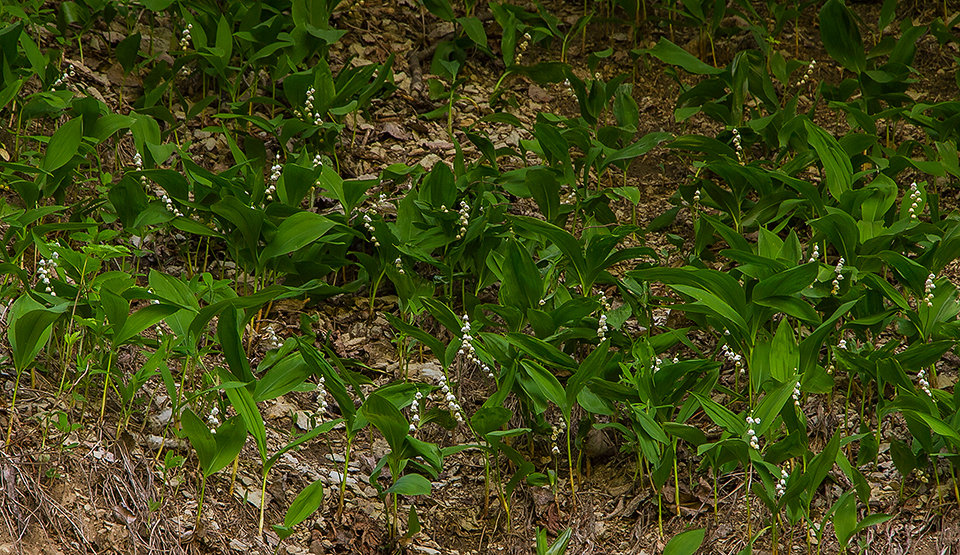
x=676 y=478
x=203 y=488
x=573 y=485
x=747 y=497
x=13 y=404
x=343 y=479
x=106 y=385
x=263 y=501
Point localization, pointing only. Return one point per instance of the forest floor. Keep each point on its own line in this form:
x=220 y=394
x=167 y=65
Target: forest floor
x=105 y=493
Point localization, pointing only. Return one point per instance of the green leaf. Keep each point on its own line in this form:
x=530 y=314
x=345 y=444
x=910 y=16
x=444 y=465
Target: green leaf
x=489 y=419
x=285 y=376
x=141 y=320
x=228 y=332
x=721 y=416
x=63 y=145
x=715 y=304
x=224 y=45
x=543 y=185
x=784 y=355
x=590 y=368
x=200 y=438
x=295 y=233
x=559 y=546
x=410 y=484
x=172 y=290
x=543 y=386
x=818 y=468
x=841 y=230
x=903 y=457
x=672 y=54
x=835 y=161
x=938 y=426
x=686 y=543
x=387 y=418
x=770 y=406
x=229 y=440
x=841 y=35
x=246 y=407
x=127 y=51
x=305 y=504
x=845 y=517
x=413 y=523
x=31 y=329
x=541 y=350
x=644 y=145
x=474 y=29
x=788 y=282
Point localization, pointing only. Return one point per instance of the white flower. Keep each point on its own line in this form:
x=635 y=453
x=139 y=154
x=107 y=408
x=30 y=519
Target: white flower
x=928 y=288
x=751 y=433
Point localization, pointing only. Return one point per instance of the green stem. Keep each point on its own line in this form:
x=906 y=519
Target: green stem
x=343 y=479
x=573 y=485
x=106 y=385
x=203 y=488
x=13 y=404
x=373 y=292
x=263 y=501
x=676 y=478
x=747 y=497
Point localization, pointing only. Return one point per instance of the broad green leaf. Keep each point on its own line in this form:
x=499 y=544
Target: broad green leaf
x=784 y=355
x=229 y=440
x=128 y=50
x=938 y=426
x=672 y=54
x=172 y=290
x=200 y=438
x=474 y=29
x=31 y=329
x=296 y=232
x=686 y=543
x=141 y=320
x=841 y=230
x=590 y=368
x=489 y=419
x=387 y=418
x=541 y=350
x=246 y=407
x=715 y=304
x=845 y=517
x=841 y=35
x=231 y=342
x=721 y=416
x=788 y=282
x=63 y=145
x=770 y=406
x=835 y=161
x=304 y=504
x=410 y=484
x=821 y=464
x=543 y=386
x=285 y=376
x=642 y=146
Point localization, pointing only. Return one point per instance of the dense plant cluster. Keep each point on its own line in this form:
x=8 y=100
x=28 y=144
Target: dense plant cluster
x=819 y=266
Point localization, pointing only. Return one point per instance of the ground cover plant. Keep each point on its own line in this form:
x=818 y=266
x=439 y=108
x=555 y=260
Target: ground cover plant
x=473 y=277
